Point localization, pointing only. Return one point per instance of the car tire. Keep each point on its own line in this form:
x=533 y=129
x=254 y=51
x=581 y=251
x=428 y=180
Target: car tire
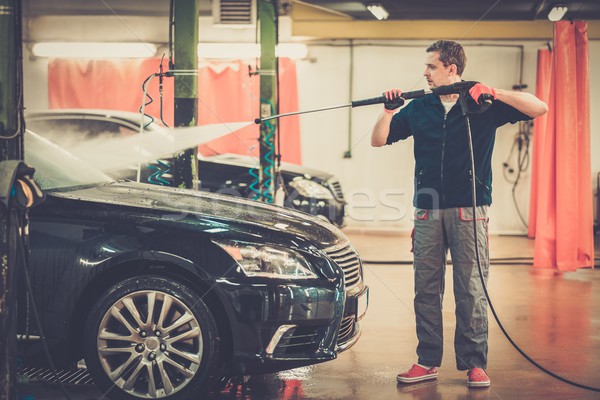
x=133 y=353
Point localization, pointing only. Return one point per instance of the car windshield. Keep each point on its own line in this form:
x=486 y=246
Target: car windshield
x=56 y=168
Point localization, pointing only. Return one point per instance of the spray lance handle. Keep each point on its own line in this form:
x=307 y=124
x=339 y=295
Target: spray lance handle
x=462 y=87
x=483 y=102
x=381 y=99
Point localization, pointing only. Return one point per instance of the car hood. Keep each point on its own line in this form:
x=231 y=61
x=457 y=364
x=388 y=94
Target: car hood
x=252 y=162
x=228 y=212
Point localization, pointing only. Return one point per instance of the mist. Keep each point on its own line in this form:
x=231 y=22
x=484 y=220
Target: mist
x=108 y=152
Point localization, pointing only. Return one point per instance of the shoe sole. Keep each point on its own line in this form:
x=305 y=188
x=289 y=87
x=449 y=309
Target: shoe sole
x=479 y=384
x=400 y=379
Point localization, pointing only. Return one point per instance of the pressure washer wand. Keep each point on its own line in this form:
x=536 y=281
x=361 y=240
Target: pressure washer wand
x=260 y=120
x=460 y=88
x=356 y=103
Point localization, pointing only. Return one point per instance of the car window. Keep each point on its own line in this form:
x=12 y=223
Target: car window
x=56 y=168
x=69 y=131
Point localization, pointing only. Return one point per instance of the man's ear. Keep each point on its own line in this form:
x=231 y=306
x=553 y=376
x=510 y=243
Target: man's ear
x=453 y=69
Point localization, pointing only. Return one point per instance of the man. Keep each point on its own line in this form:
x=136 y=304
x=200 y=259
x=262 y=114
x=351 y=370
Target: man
x=443 y=204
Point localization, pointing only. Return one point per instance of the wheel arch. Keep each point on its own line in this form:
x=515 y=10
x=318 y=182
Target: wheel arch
x=187 y=273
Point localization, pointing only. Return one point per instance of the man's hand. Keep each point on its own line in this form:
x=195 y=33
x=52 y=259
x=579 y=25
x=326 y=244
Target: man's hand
x=393 y=100
x=481 y=93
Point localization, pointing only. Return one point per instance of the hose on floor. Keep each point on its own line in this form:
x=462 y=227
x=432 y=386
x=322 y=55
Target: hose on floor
x=487 y=296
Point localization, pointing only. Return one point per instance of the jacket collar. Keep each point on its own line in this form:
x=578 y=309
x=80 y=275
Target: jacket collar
x=433 y=99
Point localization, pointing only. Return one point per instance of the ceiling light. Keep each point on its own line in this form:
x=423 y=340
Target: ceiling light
x=557 y=12
x=378 y=11
x=295 y=51
x=231 y=51
x=94 y=50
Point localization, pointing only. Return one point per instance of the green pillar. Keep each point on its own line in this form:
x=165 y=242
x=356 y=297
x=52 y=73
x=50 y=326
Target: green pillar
x=185 y=168
x=267 y=19
x=11 y=148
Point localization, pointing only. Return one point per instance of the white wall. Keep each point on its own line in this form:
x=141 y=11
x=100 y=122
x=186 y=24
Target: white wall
x=379 y=181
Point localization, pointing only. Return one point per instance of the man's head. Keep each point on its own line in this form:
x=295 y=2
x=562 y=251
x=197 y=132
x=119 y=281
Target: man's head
x=445 y=63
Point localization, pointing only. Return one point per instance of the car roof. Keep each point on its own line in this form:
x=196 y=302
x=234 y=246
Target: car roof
x=127 y=117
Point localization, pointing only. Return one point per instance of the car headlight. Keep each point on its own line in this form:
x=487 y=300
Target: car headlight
x=268 y=261
x=308 y=188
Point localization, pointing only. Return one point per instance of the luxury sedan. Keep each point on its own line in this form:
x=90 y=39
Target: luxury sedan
x=309 y=190
x=162 y=290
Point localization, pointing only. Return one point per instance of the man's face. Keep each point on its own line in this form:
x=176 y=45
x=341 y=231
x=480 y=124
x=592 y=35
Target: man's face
x=435 y=72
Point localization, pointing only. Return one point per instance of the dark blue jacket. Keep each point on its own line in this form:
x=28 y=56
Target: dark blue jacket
x=443 y=170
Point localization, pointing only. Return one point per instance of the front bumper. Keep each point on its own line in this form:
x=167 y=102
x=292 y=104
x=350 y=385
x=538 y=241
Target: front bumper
x=285 y=326
x=282 y=326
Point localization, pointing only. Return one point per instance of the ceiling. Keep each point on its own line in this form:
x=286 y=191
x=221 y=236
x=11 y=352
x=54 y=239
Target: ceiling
x=489 y=10
x=523 y=10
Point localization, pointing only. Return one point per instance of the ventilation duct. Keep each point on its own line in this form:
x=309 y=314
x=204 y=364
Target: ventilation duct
x=233 y=13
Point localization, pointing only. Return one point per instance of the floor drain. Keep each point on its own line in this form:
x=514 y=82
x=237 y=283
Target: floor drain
x=79 y=376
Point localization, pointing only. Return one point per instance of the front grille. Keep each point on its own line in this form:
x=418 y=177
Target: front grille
x=347 y=258
x=336 y=187
x=301 y=340
x=346 y=330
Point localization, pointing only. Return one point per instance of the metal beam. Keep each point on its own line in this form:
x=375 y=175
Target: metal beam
x=185 y=168
x=11 y=145
x=267 y=17
x=431 y=30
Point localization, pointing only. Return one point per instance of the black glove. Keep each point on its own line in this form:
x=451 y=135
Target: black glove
x=393 y=100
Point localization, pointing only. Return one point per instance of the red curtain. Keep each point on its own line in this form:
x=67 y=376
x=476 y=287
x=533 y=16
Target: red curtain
x=226 y=93
x=560 y=217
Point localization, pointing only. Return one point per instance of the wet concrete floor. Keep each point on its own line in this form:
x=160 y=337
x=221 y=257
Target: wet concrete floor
x=554 y=318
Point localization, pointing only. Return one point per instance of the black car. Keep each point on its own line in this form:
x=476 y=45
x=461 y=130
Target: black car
x=162 y=290
x=309 y=190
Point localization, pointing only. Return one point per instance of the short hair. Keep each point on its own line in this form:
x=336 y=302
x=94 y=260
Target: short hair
x=450 y=53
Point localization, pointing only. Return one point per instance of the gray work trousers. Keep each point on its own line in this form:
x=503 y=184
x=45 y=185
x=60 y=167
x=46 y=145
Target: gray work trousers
x=435 y=232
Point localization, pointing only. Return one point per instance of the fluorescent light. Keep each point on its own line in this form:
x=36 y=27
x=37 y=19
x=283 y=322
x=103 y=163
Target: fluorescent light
x=295 y=51
x=236 y=51
x=557 y=12
x=241 y=51
x=244 y=51
x=94 y=50
x=378 y=11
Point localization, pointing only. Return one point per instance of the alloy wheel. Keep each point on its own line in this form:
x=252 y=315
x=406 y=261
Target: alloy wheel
x=150 y=344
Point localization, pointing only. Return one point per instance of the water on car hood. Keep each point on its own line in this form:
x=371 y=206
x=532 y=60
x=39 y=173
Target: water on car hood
x=235 y=210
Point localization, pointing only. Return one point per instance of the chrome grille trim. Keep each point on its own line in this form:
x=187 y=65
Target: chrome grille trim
x=282 y=330
x=336 y=188
x=347 y=259
x=346 y=329
x=298 y=341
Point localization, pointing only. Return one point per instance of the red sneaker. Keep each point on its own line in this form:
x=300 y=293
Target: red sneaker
x=477 y=377
x=416 y=373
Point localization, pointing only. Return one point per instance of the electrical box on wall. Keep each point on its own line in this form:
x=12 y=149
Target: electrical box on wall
x=234 y=13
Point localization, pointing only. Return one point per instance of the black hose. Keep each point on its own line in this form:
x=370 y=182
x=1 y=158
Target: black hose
x=487 y=296
x=22 y=246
